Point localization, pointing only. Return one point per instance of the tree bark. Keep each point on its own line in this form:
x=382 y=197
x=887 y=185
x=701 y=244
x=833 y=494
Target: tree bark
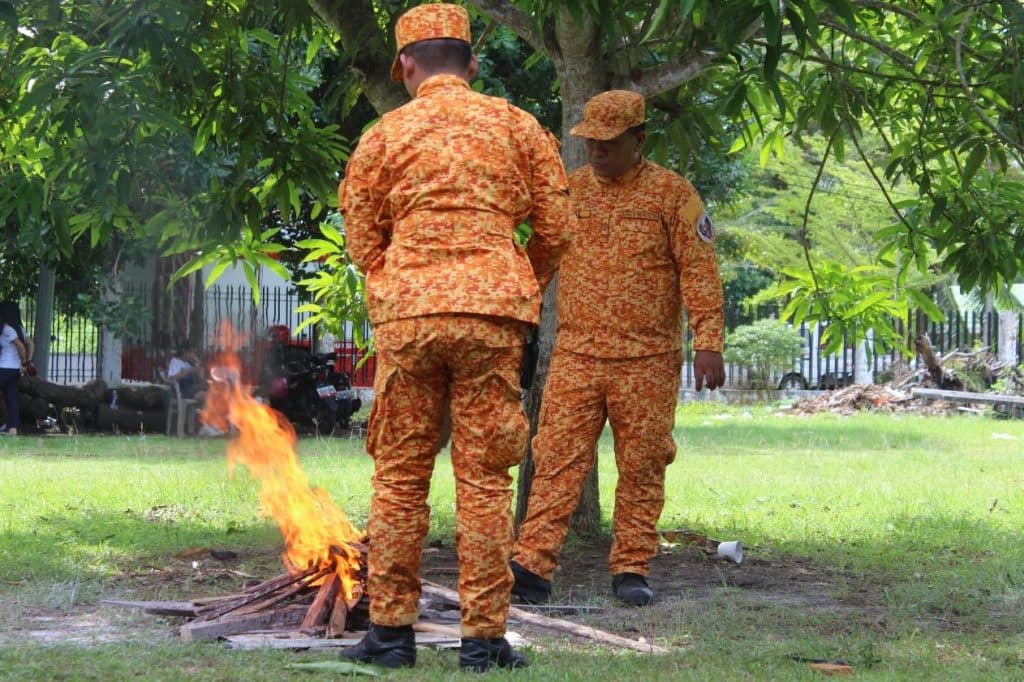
x=581 y=75
x=371 y=49
x=44 y=320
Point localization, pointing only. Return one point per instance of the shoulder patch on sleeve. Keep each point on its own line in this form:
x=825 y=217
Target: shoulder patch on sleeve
x=706 y=229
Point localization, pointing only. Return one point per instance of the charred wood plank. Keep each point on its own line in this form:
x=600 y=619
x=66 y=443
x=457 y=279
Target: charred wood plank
x=274 y=619
x=218 y=608
x=320 y=610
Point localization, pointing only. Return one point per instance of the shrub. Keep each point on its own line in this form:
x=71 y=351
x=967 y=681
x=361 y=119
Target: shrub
x=766 y=349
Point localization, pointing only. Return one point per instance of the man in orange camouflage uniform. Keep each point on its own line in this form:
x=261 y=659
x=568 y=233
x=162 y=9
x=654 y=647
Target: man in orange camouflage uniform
x=431 y=199
x=643 y=248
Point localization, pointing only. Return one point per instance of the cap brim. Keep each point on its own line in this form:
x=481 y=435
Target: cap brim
x=596 y=131
x=396 y=71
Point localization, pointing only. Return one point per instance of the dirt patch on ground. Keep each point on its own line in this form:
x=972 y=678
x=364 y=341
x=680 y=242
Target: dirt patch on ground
x=686 y=580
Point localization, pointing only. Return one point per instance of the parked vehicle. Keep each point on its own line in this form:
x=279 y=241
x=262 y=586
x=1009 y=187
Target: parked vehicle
x=305 y=388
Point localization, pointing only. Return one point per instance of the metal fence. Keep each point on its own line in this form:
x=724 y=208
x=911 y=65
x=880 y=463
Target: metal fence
x=959 y=331
x=74 y=341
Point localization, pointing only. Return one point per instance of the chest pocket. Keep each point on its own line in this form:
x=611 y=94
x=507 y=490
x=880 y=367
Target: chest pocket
x=590 y=221
x=642 y=233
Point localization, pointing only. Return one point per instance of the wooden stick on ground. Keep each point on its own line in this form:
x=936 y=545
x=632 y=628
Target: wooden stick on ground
x=557 y=624
x=339 y=615
x=319 y=611
x=218 y=608
x=280 y=596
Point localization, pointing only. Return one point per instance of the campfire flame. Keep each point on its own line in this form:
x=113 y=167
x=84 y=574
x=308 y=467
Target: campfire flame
x=317 y=533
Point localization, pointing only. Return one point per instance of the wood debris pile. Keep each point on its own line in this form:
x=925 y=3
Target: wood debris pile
x=860 y=397
x=960 y=376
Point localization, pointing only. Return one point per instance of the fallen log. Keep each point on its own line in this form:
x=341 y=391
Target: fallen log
x=130 y=421
x=274 y=619
x=967 y=396
x=63 y=396
x=557 y=624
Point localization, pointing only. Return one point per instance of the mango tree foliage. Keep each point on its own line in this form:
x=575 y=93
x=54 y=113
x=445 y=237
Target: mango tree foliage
x=941 y=84
x=180 y=123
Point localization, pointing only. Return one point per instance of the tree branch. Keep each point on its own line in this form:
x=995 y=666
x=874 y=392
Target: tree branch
x=804 y=235
x=368 y=48
x=897 y=56
x=665 y=77
x=518 y=21
x=965 y=84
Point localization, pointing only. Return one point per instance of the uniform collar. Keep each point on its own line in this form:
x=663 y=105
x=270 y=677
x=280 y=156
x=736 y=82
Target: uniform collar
x=626 y=178
x=440 y=82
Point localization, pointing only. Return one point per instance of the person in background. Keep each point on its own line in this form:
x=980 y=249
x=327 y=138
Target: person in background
x=10 y=310
x=644 y=250
x=185 y=369
x=13 y=360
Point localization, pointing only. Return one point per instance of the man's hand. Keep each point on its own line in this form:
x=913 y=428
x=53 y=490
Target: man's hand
x=708 y=364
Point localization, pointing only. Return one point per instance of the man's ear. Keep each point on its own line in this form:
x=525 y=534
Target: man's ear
x=474 y=67
x=408 y=66
x=641 y=137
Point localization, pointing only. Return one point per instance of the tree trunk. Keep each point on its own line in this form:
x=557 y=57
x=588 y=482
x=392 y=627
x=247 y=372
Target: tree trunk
x=581 y=76
x=44 y=320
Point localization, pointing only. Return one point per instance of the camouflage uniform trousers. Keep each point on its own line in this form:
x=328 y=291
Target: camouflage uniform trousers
x=425 y=362
x=638 y=397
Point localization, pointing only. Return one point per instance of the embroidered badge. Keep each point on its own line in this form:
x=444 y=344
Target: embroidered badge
x=705 y=229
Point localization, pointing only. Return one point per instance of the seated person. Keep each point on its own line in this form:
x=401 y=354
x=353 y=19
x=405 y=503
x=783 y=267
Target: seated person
x=185 y=369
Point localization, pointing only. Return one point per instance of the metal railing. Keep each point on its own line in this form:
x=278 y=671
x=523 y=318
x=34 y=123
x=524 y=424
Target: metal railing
x=74 y=344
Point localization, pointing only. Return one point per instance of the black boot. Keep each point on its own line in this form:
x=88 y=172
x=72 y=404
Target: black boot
x=385 y=646
x=480 y=655
x=632 y=588
x=528 y=586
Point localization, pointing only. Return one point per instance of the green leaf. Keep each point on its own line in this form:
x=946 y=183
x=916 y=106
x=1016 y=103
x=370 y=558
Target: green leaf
x=973 y=163
x=657 y=21
x=197 y=263
x=250 y=276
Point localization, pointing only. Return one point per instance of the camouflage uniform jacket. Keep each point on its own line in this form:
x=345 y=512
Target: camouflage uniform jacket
x=643 y=247
x=431 y=200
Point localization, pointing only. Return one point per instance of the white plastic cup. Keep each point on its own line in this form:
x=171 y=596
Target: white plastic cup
x=731 y=550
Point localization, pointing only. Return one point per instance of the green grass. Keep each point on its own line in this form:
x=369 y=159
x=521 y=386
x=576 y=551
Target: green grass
x=915 y=521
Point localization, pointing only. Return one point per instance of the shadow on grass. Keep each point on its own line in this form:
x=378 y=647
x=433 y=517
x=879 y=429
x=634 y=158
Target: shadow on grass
x=93 y=545
x=947 y=573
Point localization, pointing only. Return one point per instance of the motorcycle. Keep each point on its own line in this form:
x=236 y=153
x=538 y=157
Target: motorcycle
x=336 y=386
x=306 y=389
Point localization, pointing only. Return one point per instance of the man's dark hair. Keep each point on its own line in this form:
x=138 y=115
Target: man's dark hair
x=441 y=55
x=636 y=130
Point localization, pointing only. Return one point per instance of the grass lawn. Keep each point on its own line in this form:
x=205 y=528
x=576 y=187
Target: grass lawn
x=889 y=542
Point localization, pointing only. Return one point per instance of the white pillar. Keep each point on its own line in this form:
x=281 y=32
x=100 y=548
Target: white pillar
x=862 y=373
x=1008 y=339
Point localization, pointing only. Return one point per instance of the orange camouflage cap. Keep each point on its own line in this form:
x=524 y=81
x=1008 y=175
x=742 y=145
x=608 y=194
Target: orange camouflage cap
x=608 y=115
x=428 y=22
